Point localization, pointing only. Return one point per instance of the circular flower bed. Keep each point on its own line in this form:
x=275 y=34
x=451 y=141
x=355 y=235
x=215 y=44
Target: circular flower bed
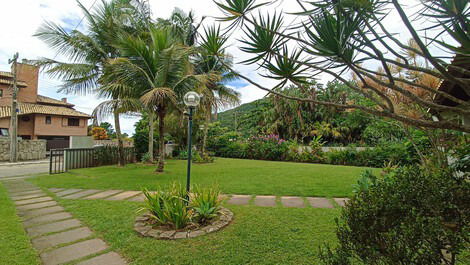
x=145 y=226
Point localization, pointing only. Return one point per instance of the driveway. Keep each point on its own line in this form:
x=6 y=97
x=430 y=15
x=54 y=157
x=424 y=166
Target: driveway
x=26 y=169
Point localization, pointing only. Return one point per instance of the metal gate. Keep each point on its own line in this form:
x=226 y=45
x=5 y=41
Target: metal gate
x=61 y=160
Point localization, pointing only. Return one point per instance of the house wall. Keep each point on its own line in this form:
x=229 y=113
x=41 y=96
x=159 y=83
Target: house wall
x=28 y=74
x=24 y=127
x=58 y=126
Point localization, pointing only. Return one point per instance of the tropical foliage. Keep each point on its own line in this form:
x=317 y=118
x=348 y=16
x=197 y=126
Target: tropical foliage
x=176 y=208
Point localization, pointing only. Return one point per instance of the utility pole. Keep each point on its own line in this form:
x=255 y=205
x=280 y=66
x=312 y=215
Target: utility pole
x=14 y=114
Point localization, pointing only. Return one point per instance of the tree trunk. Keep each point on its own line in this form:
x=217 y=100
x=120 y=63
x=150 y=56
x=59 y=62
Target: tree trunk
x=151 y=130
x=117 y=124
x=206 y=130
x=161 y=146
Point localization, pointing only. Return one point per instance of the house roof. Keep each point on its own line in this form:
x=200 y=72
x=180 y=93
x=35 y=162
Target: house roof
x=29 y=108
x=52 y=101
x=5 y=81
x=6 y=74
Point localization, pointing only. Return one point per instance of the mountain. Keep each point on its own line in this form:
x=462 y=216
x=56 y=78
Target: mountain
x=244 y=117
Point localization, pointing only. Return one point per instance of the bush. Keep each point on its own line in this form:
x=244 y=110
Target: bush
x=411 y=216
x=146 y=158
x=172 y=208
x=269 y=147
x=202 y=158
x=206 y=203
x=394 y=153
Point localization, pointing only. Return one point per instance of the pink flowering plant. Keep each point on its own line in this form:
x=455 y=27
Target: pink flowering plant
x=267 y=147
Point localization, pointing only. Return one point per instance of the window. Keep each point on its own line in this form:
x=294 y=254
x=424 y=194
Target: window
x=48 y=120
x=73 y=122
x=4 y=132
x=1 y=93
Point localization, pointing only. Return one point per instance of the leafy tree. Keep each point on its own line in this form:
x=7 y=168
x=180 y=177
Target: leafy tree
x=109 y=129
x=332 y=37
x=99 y=133
x=91 y=51
x=156 y=70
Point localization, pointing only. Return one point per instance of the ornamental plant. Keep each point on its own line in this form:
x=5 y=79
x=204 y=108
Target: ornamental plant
x=177 y=209
x=411 y=216
x=270 y=147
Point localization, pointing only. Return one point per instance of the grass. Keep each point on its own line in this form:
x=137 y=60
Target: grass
x=256 y=236
x=234 y=176
x=14 y=243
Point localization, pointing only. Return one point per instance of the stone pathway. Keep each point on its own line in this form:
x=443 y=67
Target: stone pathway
x=259 y=200
x=58 y=237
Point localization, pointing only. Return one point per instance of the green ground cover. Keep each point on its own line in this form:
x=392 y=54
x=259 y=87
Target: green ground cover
x=257 y=235
x=15 y=246
x=234 y=176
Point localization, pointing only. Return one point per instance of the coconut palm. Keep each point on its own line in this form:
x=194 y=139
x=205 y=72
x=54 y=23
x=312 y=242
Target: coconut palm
x=159 y=71
x=91 y=51
x=213 y=59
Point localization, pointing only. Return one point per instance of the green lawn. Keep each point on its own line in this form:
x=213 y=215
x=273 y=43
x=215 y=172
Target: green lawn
x=234 y=176
x=256 y=236
x=15 y=246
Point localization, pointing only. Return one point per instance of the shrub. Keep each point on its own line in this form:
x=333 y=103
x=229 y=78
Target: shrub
x=146 y=158
x=206 y=203
x=172 y=208
x=269 y=147
x=202 y=158
x=411 y=216
x=168 y=207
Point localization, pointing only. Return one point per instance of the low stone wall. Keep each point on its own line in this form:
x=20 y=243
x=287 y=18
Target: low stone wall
x=27 y=149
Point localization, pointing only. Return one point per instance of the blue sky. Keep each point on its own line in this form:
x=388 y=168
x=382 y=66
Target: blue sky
x=18 y=37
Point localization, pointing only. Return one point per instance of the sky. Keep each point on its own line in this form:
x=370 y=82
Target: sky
x=20 y=19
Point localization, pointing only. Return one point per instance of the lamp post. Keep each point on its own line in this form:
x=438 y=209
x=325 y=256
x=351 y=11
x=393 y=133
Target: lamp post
x=191 y=99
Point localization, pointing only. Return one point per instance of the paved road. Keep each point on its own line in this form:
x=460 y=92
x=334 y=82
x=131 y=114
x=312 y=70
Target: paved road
x=23 y=170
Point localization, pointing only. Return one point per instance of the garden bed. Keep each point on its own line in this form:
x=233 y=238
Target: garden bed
x=144 y=226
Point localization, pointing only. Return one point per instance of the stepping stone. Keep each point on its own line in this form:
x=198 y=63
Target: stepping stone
x=52 y=227
x=47 y=218
x=25 y=197
x=29 y=214
x=293 y=202
x=138 y=198
x=56 y=189
x=44 y=242
x=16 y=190
x=240 y=199
x=111 y=258
x=341 y=201
x=35 y=200
x=103 y=194
x=26 y=192
x=67 y=192
x=265 y=201
x=317 y=202
x=81 y=194
x=35 y=206
x=123 y=196
x=73 y=252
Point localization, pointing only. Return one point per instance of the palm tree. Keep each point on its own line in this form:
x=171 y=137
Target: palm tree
x=90 y=52
x=213 y=60
x=159 y=71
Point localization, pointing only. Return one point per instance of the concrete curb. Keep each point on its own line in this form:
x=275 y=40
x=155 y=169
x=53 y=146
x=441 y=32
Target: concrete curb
x=8 y=164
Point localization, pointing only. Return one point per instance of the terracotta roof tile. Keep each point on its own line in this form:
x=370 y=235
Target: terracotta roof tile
x=10 y=82
x=28 y=108
x=47 y=100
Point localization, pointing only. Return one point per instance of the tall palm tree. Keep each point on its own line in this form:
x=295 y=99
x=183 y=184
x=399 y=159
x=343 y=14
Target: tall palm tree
x=158 y=69
x=91 y=51
x=213 y=59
